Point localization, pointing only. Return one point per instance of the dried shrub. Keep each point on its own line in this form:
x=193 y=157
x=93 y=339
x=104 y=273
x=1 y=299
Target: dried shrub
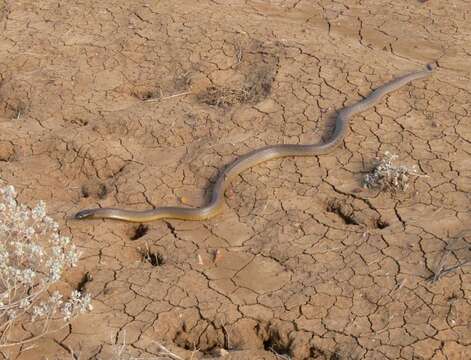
x=33 y=256
x=388 y=176
x=223 y=97
x=256 y=87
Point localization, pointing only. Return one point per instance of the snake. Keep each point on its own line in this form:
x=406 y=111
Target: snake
x=255 y=157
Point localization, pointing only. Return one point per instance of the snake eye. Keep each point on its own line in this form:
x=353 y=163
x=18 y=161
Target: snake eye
x=84 y=214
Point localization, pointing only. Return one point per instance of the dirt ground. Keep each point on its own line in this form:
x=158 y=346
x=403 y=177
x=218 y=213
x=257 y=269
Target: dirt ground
x=303 y=263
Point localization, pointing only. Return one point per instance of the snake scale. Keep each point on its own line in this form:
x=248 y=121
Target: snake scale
x=256 y=157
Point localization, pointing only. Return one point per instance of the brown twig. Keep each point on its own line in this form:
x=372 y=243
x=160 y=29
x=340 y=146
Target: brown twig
x=169 y=97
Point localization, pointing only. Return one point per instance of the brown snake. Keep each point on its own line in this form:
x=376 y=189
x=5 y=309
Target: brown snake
x=253 y=158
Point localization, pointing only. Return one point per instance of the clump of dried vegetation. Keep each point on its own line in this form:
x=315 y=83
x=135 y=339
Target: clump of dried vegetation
x=257 y=86
x=33 y=256
x=457 y=252
x=388 y=176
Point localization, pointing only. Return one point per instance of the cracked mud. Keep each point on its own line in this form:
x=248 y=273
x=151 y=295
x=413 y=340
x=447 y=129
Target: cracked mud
x=303 y=262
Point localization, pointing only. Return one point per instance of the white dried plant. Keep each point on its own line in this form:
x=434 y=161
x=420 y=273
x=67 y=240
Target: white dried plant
x=33 y=256
x=388 y=176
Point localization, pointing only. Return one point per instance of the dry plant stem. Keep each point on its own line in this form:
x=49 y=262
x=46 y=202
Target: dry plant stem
x=279 y=356
x=441 y=270
x=167 y=352
x=440 y=267
x=453 y=268
x=169 y=97
x=47 y=332
x=119 y=350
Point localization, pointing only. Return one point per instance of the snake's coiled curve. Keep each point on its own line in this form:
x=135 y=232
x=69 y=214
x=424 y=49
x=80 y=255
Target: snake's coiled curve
x=253 y=158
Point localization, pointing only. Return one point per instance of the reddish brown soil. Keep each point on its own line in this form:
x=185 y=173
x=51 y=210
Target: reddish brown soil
x=303 y=262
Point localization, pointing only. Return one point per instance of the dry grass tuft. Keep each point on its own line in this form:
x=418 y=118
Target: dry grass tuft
x=388 y=176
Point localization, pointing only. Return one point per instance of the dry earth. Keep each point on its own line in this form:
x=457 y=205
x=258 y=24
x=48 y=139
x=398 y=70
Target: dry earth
x=303 y=263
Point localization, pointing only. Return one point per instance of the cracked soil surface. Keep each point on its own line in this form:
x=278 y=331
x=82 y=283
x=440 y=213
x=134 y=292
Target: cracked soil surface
x=303 y=262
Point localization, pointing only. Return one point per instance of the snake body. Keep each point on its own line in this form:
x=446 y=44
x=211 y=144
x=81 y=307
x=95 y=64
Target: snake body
x=253 y=158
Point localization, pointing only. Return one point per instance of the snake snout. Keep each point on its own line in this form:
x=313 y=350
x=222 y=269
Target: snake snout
x=84 y=214
x=432 y=66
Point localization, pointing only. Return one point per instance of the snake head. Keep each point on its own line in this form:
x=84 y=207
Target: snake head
x=432 y=66
x=84 y=214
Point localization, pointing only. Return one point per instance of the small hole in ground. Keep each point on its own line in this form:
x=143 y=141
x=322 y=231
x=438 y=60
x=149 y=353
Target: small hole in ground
x=275 y=345
x=86 y=278
x=381 y=224
x=97 y=190
x=85 y=192
x=140 y=231
x=335 y=356
x=153 y=257
x=79 y=122
x=102 y=191
x=147 y=94
x=343 y=211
